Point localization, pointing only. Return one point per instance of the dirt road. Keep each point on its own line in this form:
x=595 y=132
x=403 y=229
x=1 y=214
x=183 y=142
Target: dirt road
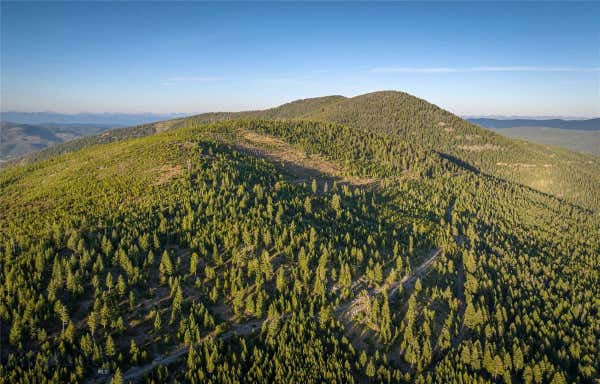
x=135 y=373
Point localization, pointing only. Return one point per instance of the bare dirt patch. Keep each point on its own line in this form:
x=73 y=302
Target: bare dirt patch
x=165 y=125
x=187 y=145
x=442 y=124
x=166 y=173
x=278 y=150
x=471 y=137
x=480 y=147
x=521 y=165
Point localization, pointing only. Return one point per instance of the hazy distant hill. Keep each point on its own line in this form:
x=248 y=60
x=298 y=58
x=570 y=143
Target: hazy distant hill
x=26 y=132
x=578 y=135
x=577 y=140
x=582 y=125
x=110 y=119
x=18 y=139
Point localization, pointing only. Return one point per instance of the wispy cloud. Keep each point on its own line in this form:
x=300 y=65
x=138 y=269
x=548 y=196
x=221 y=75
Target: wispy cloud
x=194 y=78
x=481 y=69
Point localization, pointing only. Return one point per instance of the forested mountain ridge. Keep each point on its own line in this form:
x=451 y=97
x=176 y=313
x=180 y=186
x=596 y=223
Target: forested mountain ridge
x=269 y=250
x=572 y=176
x=563 y=173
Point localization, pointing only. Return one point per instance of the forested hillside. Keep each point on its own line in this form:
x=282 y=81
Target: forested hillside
x=345 y=247
x=572 y=176
x=569 y=175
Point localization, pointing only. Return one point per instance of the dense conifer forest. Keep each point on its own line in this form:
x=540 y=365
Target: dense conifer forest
x=372 y=239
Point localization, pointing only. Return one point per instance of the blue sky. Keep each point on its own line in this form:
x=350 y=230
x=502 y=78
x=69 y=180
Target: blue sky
x=471 y=58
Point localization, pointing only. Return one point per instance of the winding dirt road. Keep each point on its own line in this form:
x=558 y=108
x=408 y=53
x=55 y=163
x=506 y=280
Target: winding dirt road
x=133 y=374
x=357 y=305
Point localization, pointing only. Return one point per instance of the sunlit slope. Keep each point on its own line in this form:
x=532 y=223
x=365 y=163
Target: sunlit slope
x=95 y=240
x=290 y=110
x=569 y=175
x=315 y=246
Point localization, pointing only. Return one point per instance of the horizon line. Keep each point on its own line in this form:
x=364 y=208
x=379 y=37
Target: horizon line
x=434 y=70
x=186 y=114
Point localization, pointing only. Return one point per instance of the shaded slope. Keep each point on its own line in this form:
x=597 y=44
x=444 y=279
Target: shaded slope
x=566 y=174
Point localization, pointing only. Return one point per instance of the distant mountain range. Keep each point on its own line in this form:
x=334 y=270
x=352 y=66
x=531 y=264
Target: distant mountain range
x=582 y=125
x=113 y=120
